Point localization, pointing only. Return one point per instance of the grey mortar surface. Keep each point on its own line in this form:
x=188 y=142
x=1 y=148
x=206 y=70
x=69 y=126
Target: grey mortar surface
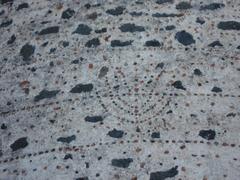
x=119 y=90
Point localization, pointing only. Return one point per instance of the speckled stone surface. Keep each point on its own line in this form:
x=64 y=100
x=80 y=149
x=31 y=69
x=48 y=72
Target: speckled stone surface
x=120 y=90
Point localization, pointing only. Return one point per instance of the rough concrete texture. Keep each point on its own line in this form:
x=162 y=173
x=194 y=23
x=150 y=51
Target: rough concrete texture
x=108 y=90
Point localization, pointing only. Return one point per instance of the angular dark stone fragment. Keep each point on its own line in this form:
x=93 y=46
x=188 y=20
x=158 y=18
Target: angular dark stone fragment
x=159 y=15
x=160 y=65
x=134 y=13
x=22 y=6
x=93 y=43
x=76 y=61
x=164 y=1
x=103 y=30
x=170 y=27
x=118 y=43
x=3 y=126
x=6 y=23
x=49 y=30
x=231 y=115
x=66 y=139
x=200 y=20
x=82 y=178
x=162 y=175
x=6 y=1
x=68 y=156
x=2 y=12
x=229 y=25
x=184 y=38
x=212 y=6
x=183 y=5
x=130 y=27
x=79 y=88
x=83 y=29
x=155 y=135
x=122 y=163
x=207 y=134
x=27 y=51
x=103 y=72
x=46 y=94
x=93 y=119
x=65 y=43
x=238 y=47
x=216 y=89
x=116 y=133
x=116 y=11
x=12 y=39
x=215 y=43
x=153 y=43
x=178 y=85
x=197 y=72
x=68 y=13
x=19 y=144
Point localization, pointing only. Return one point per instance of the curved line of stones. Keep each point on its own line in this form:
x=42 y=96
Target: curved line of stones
x=80 y=147
x=28 y=108
x=94 y=50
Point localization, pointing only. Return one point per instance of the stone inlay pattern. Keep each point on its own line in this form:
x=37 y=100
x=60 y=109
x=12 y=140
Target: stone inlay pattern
x=119 y=90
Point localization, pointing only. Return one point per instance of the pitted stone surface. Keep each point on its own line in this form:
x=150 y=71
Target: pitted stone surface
x=115 y=90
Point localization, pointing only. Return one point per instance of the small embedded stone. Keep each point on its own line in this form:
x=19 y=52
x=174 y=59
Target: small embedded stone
x=122 y=163
x=178 y=85
x=83 y=29
x=79 y=88
x=130 y=27
x=93 y=119
x=27 y=51
x=184 y=38
x=216 y=89
x=207 y=134
x=116 y=133
x=49 y=30
x=67 y=139
x=19 y=144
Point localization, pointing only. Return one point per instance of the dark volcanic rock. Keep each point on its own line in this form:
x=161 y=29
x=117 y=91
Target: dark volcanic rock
x=216 y=89
x=212 y=6
x=118 y=43
x=83 y=29
x=46 y=94
x=27 y=51
x=162 y=175
x=178 y=85
x=22 y=6
x=200 y=20
x=103 y=72
x=79 y=88
x=183 y=5
x=49 y=30
x=67 y=139
x=103 y=30
x=184 y=38
x=116 y=133
x=197 y=72
x=229 y=25
x=135 y=14
x=163 y=15
x=164 y=1
x=207 y=134
x=93 y=43
x=170 y=27
x=93 y=119
x=122 y=163
x=12 y=39
x=19 y=144
x=155 y=135
x=215 y=43
x=116 y=11
x=68 y=13
x=130 y=27
x=6 y=23
x=153 y=43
